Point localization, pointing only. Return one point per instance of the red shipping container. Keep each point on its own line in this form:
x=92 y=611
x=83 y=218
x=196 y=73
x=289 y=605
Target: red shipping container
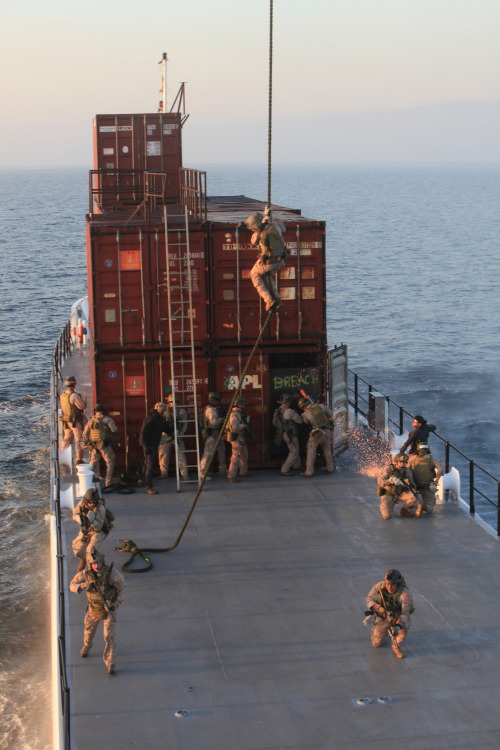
x=238 y=313
x=127 y=286
x=129 y=386
x=144 y=142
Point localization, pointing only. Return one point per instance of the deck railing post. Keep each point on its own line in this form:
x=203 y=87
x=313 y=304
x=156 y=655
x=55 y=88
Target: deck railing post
x=446 y=457
x=401 y=420
x=472 y=509
x=356 y=396
x=498 y=510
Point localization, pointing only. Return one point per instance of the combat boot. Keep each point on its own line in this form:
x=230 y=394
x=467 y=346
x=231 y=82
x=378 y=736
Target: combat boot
x=84 y=651
x=406 y=513
x=398 y=653
x=111 y=669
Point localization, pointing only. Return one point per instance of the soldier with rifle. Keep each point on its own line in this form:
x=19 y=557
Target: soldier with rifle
x=104 y=588
x=397 y=485
x=390 y=604
x=285 y=420
x=90 y=514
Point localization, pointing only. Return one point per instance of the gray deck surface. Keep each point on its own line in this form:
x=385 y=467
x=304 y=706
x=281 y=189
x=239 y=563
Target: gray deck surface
x=253 y=625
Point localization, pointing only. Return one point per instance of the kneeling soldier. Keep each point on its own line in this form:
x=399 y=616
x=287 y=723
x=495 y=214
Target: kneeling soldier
x=427 y=471
x=390 y=605
x=104 y=587
x=90 y=513
x=396 y=485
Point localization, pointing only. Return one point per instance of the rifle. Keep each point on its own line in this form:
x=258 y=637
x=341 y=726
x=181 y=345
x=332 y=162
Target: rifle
x=98 y=588
x=391 y=614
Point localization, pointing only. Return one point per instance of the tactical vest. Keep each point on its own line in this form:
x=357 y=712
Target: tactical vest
x=70 y=413
x=287 y=425
x=423 y=469
x=392 y=601
x=396 y=489
x=319 y=418
x=100 y=434
x=94 y=596
x=219 y=414
x=272 y=245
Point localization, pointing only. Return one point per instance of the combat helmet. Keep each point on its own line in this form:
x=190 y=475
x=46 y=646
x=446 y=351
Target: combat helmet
x=399 y=457
x=285 y=398
x=161 y=405
x=393 y=576
x=94 y=555
x=254 y=221
x=91 y=495
x=423 y=447
x=70 y=380
x=214 y=396
x=99 y=407
x=240 y=402
x=304 y=403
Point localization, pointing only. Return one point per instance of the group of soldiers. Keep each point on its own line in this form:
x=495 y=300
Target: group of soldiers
x=411 y=479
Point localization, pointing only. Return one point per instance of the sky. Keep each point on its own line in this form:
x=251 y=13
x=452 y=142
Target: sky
x=62 y=62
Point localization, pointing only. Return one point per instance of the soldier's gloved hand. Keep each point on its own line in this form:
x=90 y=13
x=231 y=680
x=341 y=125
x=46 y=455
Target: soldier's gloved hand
x=91 y=515
x=433 y=487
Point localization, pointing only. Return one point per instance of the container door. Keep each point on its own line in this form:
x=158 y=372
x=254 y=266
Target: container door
x=338 y=393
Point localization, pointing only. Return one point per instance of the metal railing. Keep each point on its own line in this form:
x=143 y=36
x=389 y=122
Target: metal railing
x=194 y=192
x=62 y=702
x=483 y=486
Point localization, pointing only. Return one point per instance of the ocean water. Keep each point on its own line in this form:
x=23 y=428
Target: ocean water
x=413 y=269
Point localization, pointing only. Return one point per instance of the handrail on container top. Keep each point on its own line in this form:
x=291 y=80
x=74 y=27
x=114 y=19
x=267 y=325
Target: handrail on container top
x=473 y=466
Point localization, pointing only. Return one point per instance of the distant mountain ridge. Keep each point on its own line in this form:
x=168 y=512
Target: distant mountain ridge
x=459 y=131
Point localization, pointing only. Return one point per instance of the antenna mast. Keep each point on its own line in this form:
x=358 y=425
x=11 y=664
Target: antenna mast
x=162 y=107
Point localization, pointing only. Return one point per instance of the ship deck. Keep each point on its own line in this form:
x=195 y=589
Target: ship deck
x=253 y=625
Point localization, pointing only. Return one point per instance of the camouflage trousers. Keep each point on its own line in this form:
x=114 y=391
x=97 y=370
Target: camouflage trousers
x=318 y=440
x=207 y=452
x=388 y=503
x=108 y=455
x=83 y=542
x=90 y=625
x=262 y=275
x=164 y=453
x=292 y=461
x=239 y=459
x=428 y=497
x=74 y=434
x=380 y=631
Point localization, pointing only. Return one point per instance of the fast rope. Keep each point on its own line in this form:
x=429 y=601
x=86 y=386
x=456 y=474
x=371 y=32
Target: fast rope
x=270 y=106
x=127 y=545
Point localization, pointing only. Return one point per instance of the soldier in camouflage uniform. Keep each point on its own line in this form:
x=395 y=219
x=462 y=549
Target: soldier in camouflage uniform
x=73 y=407
x=167 y=441
x=104 y=587
x=99 y=434
x=213 y=419
x=427 y=471
x=391 y=604
x=286 y=419
x=319 y=421
x=268 y=238
x=237 y=432
x=90 y=514
x=396 y=485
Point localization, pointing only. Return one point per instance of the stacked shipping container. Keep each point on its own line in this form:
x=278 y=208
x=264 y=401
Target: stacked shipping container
x=127 y=278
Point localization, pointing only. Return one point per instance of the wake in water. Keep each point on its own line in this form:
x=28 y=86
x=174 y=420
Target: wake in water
x=25 y=680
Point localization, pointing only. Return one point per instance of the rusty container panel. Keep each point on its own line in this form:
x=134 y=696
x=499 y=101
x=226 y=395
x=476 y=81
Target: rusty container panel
x=237 y=310
x=129 y=386
x=198 y=311
x=127 y=285
x=127 y=145
x=269 y=375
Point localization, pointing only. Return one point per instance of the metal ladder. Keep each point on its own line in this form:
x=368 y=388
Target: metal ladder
x=181 y=344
